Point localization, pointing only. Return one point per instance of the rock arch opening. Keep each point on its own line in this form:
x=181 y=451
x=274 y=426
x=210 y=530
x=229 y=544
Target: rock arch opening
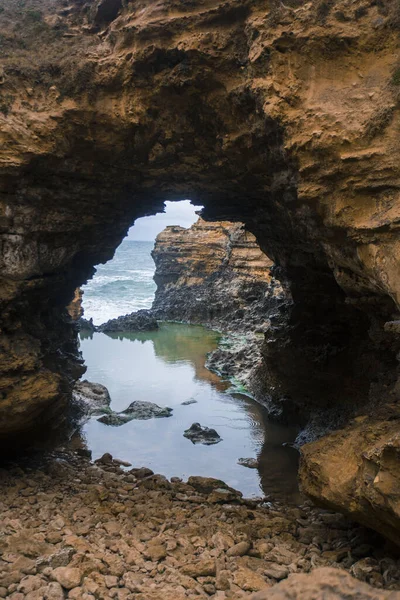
x=101 y=122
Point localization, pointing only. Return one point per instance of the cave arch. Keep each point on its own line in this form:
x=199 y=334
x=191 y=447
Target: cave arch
x=102 y=123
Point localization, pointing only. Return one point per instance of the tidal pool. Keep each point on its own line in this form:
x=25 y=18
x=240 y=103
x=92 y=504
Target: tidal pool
x=167 y=367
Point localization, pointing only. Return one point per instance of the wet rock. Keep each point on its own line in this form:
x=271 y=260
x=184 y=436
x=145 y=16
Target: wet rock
x=137 y=410
x=250 y=463
x=202 y=435
x=146 y=410
x=142 y=320
x=188 y=402
x=94 y=398
x=324 y=584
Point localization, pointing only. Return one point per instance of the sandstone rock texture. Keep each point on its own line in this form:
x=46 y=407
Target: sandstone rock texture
x=356 y=470
x=283 y=116
x=214 y=273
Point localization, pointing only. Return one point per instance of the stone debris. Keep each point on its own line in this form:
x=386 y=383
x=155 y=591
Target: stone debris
x=97 y=531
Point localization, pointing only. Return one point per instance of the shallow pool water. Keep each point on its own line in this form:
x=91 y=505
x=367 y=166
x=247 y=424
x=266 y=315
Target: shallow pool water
x=167 y=367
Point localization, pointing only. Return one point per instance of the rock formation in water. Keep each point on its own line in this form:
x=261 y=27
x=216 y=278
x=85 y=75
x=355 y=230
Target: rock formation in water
x=217 y=275
x=142 y=320
x=214 y=273
x=281 y=115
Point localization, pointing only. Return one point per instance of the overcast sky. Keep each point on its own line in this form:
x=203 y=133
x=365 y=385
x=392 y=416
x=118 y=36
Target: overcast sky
x=176 y=213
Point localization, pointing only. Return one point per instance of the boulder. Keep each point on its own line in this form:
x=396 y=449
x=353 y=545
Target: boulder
x=202 y=435
x=139 y=410
x=86 y=325
x=356 y=470
x=146 y=410
x=93 y=398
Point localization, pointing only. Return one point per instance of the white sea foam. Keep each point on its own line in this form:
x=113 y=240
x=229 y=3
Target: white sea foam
x=117 y=289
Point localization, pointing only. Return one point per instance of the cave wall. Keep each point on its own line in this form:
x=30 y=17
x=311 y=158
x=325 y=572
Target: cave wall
x=281 y=115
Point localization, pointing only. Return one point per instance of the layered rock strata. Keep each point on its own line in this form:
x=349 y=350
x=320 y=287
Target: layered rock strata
x=214 y=273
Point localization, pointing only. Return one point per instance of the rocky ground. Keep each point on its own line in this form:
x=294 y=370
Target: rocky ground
x=73 y=529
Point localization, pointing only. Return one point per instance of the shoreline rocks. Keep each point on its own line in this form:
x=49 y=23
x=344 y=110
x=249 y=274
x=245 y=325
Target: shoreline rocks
x=74 y=529
x=142 y=320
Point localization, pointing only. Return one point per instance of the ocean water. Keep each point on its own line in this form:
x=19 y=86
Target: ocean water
x=122 y=285
x=167 y=367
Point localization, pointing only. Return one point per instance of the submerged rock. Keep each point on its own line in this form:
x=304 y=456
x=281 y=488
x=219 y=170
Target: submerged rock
x=139 y=410
x=92 y=398
x=202 y=435
x=188 y=402
x=142 y=320
x=250 y=463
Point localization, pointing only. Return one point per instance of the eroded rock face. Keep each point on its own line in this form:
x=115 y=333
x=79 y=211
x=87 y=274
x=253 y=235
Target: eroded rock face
x=214 y=273
x=356 y=470
x=281 y=116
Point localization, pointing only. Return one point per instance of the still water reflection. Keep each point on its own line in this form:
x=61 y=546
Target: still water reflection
x=167 y=367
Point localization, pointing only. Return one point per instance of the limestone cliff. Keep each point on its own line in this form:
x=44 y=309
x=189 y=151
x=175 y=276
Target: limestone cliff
x=281 y=115
x=214 y=273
